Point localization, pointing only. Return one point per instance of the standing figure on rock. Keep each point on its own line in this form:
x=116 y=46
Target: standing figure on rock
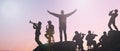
x=78 y=38
x=49 y=32
x=112 y=19
x=37 y=27
x=62 y=22
x=90 y=40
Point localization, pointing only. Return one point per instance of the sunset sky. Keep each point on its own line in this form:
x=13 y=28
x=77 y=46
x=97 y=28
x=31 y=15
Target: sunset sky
x=17 y=34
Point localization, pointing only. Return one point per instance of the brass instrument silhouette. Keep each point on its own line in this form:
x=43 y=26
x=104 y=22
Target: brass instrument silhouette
x=33 y=23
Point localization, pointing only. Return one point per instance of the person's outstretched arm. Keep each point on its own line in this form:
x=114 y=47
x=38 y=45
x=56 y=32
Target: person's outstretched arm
x=67 y=15
x=56 y=15
x=110 y=13
x=34 y=27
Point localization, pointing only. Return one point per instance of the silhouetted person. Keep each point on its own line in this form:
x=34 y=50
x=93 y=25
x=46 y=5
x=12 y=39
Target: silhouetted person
x=112 y=19
x=78 y=38
x=37 y=27
x=49 y=32
x=104 y=40
x=62 y=22
x=90 y=40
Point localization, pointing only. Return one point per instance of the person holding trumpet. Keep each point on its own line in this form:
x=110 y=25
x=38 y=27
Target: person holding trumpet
x=37 y=27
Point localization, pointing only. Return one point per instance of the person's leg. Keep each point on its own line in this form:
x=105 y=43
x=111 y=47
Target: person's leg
x=37 y=40
x=115 y=26
x=46 y=35
x=52 y=38
x=65 y=35
x=49 y=38
x=88 y=45
x=60 y=31
x=81 y=47
x=109 y=25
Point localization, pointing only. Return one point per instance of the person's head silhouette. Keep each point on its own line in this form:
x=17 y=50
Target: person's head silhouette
x=116 y=10
x=104 y=33
x=39 y=23
x=62 y=12
x=76 y=32
x=89 y=32
x=49 y=22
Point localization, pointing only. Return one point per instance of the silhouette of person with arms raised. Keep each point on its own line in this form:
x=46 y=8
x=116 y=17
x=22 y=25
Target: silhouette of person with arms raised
x=49 y=32
x=78 y=38
x=112 y=19
x=37 y=27
x=104 y=40
x=90 y=40
x=62 y=22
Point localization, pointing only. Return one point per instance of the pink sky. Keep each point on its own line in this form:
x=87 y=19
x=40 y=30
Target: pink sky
x=18 y=35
